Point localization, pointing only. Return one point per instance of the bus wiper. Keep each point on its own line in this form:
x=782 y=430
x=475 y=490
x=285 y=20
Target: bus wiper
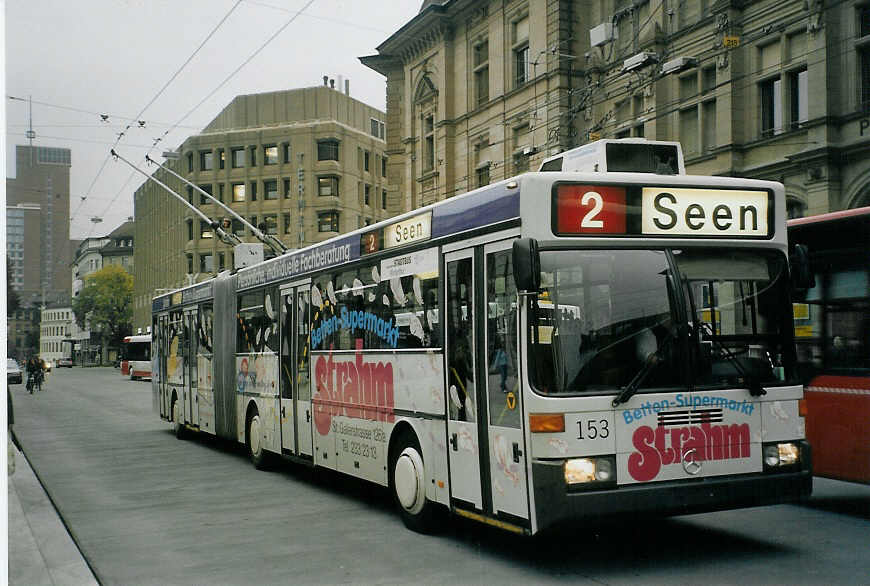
x=652 y=360
x=631 y=388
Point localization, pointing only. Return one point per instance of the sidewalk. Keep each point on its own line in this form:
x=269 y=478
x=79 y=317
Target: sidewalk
x=40 y=549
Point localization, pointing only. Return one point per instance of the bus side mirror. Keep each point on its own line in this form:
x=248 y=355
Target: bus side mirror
x=527 y=264
x=802 y=277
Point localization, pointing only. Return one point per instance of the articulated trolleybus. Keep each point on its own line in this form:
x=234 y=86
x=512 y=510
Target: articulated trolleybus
x=607 y=336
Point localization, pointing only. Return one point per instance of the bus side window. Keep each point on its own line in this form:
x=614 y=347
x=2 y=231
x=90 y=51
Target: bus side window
x=302 y=350
x=501 y=339
x=460 y=333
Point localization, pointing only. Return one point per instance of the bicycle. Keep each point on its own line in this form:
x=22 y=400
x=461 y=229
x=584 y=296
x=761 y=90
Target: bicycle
x=35 y=379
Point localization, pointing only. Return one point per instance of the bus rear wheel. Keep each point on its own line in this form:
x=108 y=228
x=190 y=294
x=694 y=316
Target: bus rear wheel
x=408 y=485
x=177 y=423
x=254 y=441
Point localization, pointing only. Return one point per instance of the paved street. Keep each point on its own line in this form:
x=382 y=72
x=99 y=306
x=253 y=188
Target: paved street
x=145 y=508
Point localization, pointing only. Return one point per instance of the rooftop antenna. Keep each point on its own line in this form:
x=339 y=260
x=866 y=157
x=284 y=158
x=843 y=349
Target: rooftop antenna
x=30 y=134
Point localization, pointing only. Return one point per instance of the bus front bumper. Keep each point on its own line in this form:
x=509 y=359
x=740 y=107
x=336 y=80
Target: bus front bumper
x=556 y=503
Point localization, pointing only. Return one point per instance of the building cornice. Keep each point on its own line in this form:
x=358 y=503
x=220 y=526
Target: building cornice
x=416 y=26
x=383 y=64
x=293 y=126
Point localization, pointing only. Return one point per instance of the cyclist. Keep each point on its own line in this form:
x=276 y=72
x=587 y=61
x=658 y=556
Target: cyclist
x=34 y=374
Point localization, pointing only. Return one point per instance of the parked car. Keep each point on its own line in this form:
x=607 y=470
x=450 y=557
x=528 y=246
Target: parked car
x=13 y=372
x=64 y=363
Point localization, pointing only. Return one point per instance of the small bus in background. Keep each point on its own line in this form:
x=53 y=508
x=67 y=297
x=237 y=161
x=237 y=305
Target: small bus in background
x=136 y=357
x=832 y=325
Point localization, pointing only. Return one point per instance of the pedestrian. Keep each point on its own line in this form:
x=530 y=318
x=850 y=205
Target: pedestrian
x=10 y=434
x=500 y=364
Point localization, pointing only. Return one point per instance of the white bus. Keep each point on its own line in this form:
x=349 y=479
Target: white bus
x=136 y=356
x=635 y=354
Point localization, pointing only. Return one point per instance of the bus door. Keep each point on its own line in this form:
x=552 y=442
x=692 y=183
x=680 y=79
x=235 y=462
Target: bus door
x=507 y=462
x=191 y=401
x=462 y=414
x=161 y=343
x=176 y=350
x=295 y=376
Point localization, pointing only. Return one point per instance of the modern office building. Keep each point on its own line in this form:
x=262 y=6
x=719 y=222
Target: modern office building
x=42 y=249
x=773 y=89
x=24 y=251
x=302 y=165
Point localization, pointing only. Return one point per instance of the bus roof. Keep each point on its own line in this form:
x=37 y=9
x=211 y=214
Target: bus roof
x=492 y=204
x=495 y=206
x=137 y=338
x=622 y=155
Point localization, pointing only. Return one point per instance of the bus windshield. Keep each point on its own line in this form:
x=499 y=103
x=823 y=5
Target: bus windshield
x=606 y=319
x=136 y=351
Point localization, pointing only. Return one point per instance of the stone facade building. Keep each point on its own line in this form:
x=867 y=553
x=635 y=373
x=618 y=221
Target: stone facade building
x=59 y=335
x=303 y=165
x=476 y=92
x=773 y=89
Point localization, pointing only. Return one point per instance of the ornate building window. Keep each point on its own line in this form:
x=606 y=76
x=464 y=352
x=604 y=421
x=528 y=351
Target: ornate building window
x=482 y=161
x=425 y=100
x=428 y=142
x=520 y=48
x=480 y=64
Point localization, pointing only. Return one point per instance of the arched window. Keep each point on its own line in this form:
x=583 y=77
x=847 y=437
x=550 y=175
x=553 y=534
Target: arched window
x=863 y=199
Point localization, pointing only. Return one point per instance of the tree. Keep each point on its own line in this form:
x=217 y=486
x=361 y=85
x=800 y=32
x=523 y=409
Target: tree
x=105 y=304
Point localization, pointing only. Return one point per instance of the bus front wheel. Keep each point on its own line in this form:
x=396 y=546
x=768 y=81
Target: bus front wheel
x=408 y=484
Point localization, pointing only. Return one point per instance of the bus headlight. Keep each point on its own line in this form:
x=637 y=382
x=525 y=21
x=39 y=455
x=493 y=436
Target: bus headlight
x=781 y=454
x=589 y=470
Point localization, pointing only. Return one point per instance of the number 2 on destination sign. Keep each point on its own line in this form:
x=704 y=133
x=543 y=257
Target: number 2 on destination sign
x=589 y=220
x=590 y=209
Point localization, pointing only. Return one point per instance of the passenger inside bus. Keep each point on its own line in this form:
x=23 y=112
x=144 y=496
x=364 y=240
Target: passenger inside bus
x=461 y=381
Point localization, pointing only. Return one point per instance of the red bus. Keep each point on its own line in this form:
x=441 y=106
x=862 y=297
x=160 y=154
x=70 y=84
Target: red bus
x=136 y=357
x=832 y=333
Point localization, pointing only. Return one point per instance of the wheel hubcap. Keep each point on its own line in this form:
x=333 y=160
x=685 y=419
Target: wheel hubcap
x=254 y=434
x=408 y=479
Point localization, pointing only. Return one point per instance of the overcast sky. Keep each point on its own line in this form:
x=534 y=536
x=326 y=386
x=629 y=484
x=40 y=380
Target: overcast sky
x=80 y=59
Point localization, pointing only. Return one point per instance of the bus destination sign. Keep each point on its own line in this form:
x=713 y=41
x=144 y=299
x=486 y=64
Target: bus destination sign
x=408 y=231
x=704 y=212
x=634 y=210
x=402 y=233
